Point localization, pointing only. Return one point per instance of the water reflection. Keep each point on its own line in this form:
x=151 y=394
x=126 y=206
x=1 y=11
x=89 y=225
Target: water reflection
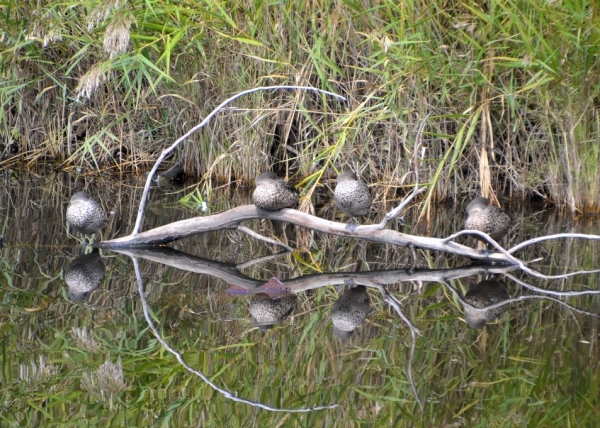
x=171 y=180
x=350 y=311
x=192 y=312
x=84 y=275
x=480 y=296
x=267 y=311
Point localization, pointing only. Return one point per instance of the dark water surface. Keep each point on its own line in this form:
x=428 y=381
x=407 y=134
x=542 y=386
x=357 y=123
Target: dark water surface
x=84 y=355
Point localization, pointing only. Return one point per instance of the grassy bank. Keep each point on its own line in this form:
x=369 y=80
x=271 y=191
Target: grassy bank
x=512 y=88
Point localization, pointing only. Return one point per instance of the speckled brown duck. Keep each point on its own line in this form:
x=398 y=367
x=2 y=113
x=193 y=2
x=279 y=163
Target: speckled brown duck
x=266 y=311
x=487 y=218
x=272 y=193
x=486 y=293
x=350 y=311
x=351 y=195
x=85 y=214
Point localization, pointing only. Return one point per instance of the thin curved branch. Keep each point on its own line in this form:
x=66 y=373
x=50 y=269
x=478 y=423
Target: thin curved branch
x=179 y=357
x=571 y=307
x=552 y=292
x=549 y=237
x=395 y=303
x=521 y=264
x=522 y=298
x=164 y=154
x=393 y=213
x=262 y=259
x=510 y=258
x=416 y=191
x=417 y=146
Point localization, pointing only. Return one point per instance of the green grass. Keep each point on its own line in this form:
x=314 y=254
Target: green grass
x=512 y=85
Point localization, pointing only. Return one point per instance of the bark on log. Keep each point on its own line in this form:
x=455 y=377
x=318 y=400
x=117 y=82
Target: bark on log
x=232 y=218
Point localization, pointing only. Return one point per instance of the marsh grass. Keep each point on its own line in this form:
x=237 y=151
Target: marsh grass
x=512 y=89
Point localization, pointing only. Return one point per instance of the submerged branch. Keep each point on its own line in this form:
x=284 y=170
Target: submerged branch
x=503 y=303
x=569 y=293
x=230 y=274
x=414 y=332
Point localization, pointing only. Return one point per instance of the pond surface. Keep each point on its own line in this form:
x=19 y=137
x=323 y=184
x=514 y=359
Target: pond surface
x=402 y=352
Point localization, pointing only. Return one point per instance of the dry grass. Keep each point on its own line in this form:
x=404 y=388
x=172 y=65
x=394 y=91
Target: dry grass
x=512 y=88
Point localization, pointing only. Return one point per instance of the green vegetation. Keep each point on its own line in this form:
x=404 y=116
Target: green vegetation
x=514 y=96
x=512 y=86
x=96 y=363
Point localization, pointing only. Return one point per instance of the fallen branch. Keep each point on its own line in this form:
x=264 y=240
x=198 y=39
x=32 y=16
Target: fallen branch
x=232 y=218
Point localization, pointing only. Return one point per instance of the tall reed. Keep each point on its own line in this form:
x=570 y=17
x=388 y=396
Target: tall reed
x=512 y=88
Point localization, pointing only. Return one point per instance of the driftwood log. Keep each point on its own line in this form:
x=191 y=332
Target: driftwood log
x=233 y=218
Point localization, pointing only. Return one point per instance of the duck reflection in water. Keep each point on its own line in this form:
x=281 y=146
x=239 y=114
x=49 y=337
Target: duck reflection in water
x=481 y=295
x=84 y=275
x=267 y=311
x=350 y=311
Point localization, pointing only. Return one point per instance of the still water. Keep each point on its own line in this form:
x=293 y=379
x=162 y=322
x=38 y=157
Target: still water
x=385 y=342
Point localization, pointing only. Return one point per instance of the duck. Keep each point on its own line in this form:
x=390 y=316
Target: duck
x=85 y=214
x=272 y=193
x=487 y=218
x=351 y=195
